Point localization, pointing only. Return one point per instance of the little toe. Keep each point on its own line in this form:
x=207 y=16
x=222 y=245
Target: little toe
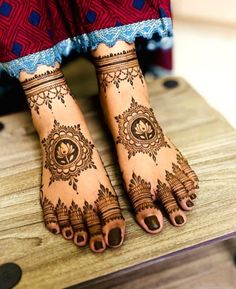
x=96 y=243
x=112 y=220
x=64 y=221
x=49 y=216
x=147 y=214
x=180 y=192
x=77 y=224
x=176 y=215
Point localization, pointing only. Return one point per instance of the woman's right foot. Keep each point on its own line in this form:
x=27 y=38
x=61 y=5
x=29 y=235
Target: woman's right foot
x=77 y=197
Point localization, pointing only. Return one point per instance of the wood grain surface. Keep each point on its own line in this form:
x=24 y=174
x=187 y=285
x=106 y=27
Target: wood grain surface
x=49 y=261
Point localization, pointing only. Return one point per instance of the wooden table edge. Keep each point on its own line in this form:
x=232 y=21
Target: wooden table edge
x=110 y=276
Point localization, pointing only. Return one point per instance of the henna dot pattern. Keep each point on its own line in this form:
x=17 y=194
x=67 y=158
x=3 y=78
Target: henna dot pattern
x=68 y=153
x=139 y=131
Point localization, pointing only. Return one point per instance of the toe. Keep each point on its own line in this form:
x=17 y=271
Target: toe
x=113 y=224
x=77 y=224
x=164 y=194
x=147 y=214
x=179 y=191
x=96 y=243
x=188 y=170
x=49 y=216
x=184 y=179
x=63 y=220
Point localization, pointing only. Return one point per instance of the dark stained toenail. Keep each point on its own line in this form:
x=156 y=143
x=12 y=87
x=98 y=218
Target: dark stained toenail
x=114 y=237
x=98 y=245
x=80 y=239
x=152 y=223
x=189 y=203
x=54 y=231
x=193 y=196
x=68 y=233
x=179 y=220
x=10 y=275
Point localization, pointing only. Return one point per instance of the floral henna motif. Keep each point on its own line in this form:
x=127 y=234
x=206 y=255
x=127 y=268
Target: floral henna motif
x=117 y=67
x=108 y=205
x=140 y=194
x=68 y=153
x=165 y=196
x=44 y=88
x=92 y=220
x=139 y=131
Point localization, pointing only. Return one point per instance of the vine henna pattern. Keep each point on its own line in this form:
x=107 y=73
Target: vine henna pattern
x=44 y=88
x=117 y=67
x=68 y=153
x=139 y=131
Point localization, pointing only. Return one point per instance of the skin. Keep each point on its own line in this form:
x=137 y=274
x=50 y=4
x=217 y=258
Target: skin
x=77 y=197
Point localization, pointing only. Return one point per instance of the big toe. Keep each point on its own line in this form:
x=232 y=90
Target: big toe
x=147 y=214
x=111 y=216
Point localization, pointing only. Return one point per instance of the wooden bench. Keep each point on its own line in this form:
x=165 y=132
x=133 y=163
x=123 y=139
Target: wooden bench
x=48 y=261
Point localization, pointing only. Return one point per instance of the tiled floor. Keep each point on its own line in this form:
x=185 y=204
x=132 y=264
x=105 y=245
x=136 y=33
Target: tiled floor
x=205 y=55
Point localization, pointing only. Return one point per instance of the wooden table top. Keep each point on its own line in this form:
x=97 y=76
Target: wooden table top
x=48 y=261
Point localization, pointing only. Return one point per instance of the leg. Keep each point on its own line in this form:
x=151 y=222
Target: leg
x=153 y=169
x=77 y=197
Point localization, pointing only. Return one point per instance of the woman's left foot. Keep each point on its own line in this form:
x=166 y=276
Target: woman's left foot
x=152 y=168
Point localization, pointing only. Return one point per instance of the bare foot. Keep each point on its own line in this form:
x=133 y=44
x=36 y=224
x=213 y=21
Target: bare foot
x=77 y=197
x=152 y=168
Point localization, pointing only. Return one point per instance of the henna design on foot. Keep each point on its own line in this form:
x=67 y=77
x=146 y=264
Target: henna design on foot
x=164 y=194
x=139 y=131
x=92 y=220
x=76 y=217
x=140 y=194
x=186 y=167
x=176 y=185
x=68 y=153
x=48 y=211
x=117 y=67
x=44 y=88
x=108 y=205
x=62 y=215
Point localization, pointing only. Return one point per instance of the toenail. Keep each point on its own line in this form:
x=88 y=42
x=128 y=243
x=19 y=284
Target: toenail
x=152 y=223
x=114 y=237
x=179 y=220
x=189 y=203
x=80 y=239
x=193 y=196
x=68 y=233
x=54 y=231
x=98 y=245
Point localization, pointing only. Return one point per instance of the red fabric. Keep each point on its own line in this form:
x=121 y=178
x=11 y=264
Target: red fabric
x=30 y=26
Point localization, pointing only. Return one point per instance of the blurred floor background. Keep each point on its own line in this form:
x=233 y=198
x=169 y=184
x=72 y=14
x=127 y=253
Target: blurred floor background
x=205 y=50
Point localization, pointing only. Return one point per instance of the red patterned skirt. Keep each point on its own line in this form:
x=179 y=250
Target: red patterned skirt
x=34 y=32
